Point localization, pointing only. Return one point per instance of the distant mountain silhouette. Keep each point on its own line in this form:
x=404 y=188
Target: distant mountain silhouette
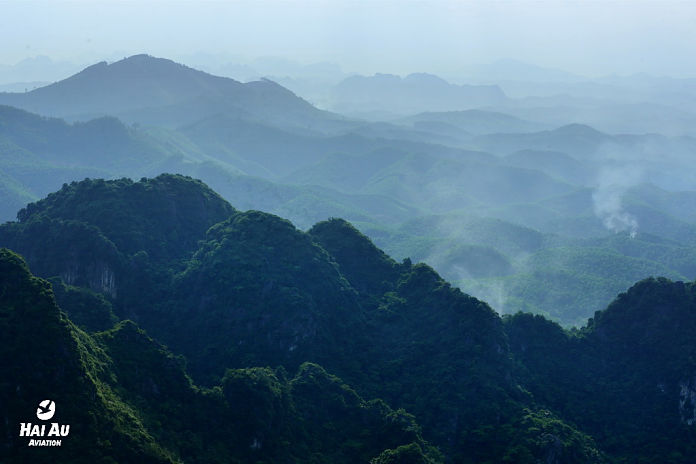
x=577 y=140
x=150 y=90
x=411 y=94
x=37 y=68
x=553 y=163
x=515 y=70
x=470 y=121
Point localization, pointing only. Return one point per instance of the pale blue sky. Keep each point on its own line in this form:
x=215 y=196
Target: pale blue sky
x=586 y=37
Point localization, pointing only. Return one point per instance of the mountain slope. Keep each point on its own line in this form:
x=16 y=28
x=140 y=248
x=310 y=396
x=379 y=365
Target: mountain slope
x=151 y=90
x=128 y=399
x=138 y=211
x=627 y=378
x=39 y=154
x=259 y=292
x=44 y=355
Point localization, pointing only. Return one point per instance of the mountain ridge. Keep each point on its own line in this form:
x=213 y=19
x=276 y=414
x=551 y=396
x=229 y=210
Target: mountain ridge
x=259 y=292
x=139 y=89
x=126 y=398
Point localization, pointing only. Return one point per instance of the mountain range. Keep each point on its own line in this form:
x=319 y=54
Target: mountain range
x=449 y=188
x=145 y=90
x=178 y=328
x=411 y=94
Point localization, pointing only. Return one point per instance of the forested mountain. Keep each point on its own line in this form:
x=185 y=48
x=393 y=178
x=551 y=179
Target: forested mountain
x=146 y=90
x=244 y=298
x=39 y=154
x=127 y=398
x=337 y=232
x=418 y=186
x=105 y=142
x=257 y=292
x=627 y=378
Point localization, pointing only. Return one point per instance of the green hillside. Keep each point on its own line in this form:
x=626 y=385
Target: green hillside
x=265 y=317
x=573 y=186
x=625 y=377
x=128 y=399
x=257 y=292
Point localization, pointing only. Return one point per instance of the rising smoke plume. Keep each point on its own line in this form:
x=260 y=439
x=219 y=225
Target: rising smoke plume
x=612 y=184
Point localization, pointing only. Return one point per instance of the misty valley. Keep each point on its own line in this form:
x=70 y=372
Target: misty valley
x=324 y=267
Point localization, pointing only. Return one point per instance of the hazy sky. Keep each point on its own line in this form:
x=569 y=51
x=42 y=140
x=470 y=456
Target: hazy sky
x=586 y=37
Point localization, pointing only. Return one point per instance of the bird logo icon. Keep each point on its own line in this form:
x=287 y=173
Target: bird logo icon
x=46 y=409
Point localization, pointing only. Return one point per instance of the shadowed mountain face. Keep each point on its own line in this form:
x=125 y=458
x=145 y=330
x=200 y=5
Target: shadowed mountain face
x=41 y=347
x=256 y=292
x=253 y=291
x=635 y=362
x=127 y=398
x=143 y=89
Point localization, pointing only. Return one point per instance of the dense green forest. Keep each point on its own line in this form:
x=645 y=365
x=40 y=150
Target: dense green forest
x=169 y=326
x=127 y=398
x=443 y=273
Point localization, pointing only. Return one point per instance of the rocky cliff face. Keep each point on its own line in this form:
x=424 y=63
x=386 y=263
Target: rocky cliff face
x=98 y=276
x=687 y=401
